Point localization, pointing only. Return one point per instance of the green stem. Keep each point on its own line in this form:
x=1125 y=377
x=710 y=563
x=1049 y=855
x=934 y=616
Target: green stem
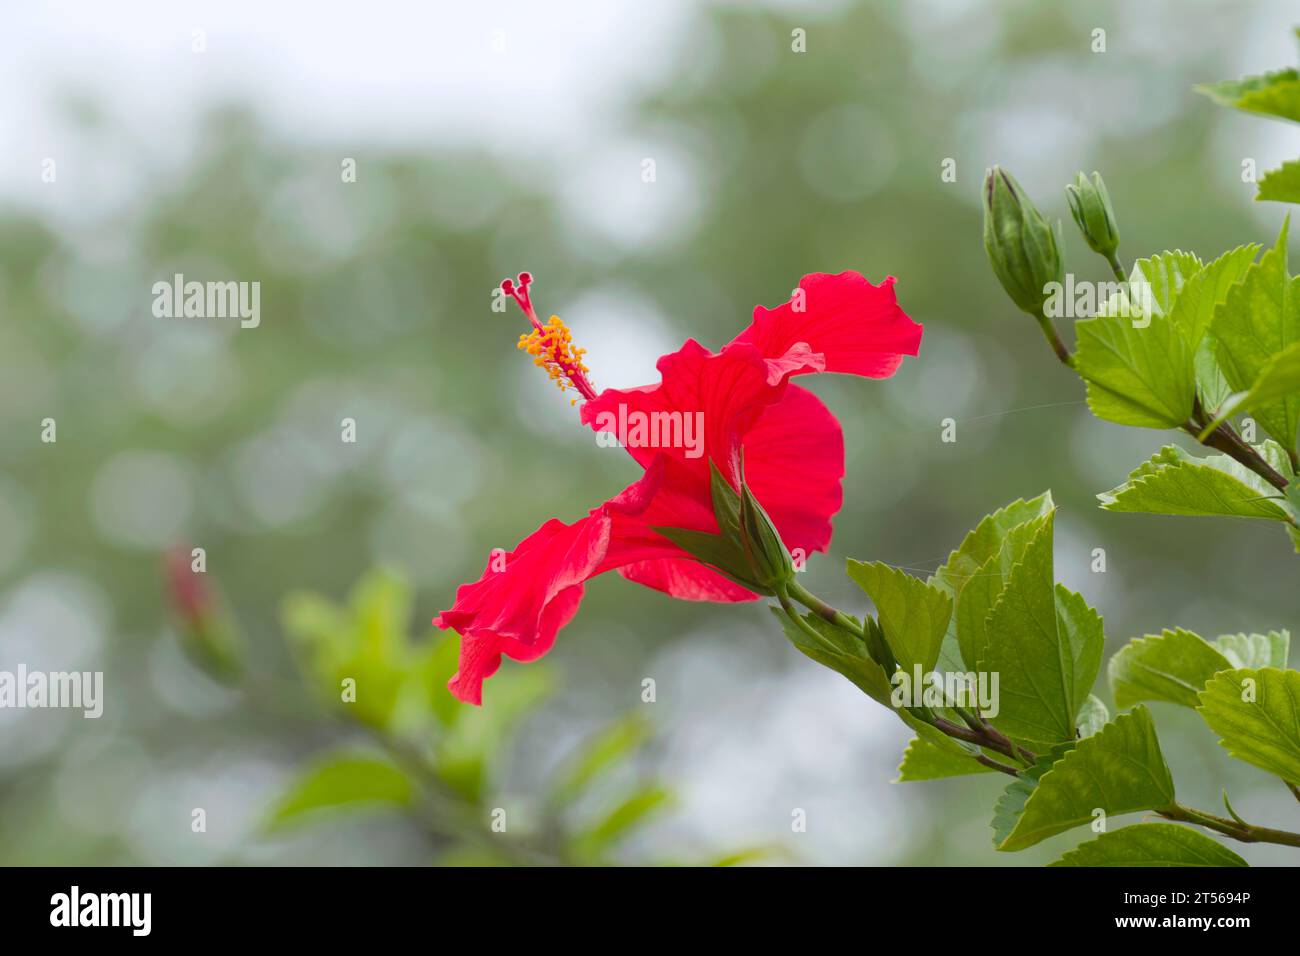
x=1116 y=268
x=1244 y=832
x=1225 y=439
x=979 y=732
x=1054 y=340
x=823 y=610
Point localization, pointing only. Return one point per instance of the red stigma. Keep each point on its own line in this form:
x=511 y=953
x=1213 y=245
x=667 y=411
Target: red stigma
x=520 y=294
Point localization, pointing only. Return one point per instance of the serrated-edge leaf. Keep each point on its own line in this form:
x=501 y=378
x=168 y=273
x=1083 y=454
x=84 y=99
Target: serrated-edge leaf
x=984 y=588
x=985 y=540
x=1194 y=311
x=1142 y=373
x=1255 y=650
x=924 y=760
x=1259 y=318
x=1276 y=93
x=1093 y=716
x=1011 y=802
x=914 y=615
x=1278 y=380
x=1081 y=631
x=1264 y=731
x=1174 y=483
x=1281 y=184
x=1120 y=769
x=1172 y=666
x=1036 y=669
x=1151 y=844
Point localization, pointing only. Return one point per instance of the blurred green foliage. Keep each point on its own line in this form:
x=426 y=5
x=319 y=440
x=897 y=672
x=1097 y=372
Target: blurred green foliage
x=436 y=756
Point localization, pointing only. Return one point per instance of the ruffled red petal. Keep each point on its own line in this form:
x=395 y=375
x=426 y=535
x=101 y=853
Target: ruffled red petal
x=859 y=327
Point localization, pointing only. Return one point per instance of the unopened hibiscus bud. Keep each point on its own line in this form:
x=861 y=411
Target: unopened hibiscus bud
x=1090 y=206
x=769 y=561
x=207 y=635
x=1020 y=243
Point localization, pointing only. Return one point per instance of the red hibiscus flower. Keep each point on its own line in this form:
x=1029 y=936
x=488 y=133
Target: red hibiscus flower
x=708 y=410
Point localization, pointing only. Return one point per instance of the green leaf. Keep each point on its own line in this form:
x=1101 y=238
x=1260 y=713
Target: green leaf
x=1118 y=770
x=365 y=643
x=1211 y=386
x=1010 y=805
x=1045 y=644
x=985 y=586
x=1281 y=185
x=842 y=652
x=1272 y=94
x=1151 y=844
x=1193 y=312
x=981 y=544
x=1174 y=483
x=751 y=854
x=1256 y=713
x=1165 y=274
x=626 y=816
x=1093 y=716
x=1277 y=457
x=1083 y=641
x=1278 y=381
x=438 y=667
x=1140 y=371
x=1255 y=650
x=914 y=615
x=986 y=540
x=1172 y=666
x=925 y=760
x=1259 y=318
x=342 y=782
x=602 y=753
x=464 y=751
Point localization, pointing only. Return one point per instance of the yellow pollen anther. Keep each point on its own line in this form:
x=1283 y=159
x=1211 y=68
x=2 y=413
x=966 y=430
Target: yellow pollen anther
x=551 y=347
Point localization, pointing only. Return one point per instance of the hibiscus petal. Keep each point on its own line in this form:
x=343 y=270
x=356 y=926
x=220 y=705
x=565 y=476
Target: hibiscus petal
x=687 y=580
x=794 y=461
x=480 y=652
x=711 y=399
x=525 y=596
x=857 y=326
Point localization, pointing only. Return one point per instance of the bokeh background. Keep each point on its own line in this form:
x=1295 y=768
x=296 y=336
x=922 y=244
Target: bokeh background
x=495 y=137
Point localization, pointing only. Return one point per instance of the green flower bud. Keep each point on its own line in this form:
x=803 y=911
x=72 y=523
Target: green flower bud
x=207 y=633
x=1020 y=243
x=1090 y=206
x=765 y=552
